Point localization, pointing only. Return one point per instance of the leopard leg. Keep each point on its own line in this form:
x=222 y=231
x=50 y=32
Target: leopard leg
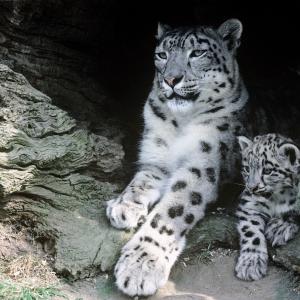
x=147 y=259
x=253 y=212
x=282 y=229
x=131 y=207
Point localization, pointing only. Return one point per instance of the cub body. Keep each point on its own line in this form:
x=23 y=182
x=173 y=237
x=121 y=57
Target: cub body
x=269 y=206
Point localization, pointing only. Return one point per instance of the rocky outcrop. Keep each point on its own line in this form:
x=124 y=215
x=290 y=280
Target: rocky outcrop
x=50 y=178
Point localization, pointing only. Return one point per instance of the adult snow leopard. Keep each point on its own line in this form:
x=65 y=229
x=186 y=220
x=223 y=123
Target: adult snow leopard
x=269 y=208
x=191 y=119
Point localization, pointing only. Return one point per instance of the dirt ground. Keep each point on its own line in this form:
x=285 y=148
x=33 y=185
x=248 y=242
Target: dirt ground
x=198 y=280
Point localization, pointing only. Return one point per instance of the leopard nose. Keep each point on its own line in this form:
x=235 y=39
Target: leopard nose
x=172 y=81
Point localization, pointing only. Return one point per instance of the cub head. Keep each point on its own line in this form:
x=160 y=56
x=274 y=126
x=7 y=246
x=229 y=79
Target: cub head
x=271 y=163
x=197 y=64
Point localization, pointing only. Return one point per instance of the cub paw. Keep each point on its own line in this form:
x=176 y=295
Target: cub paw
x=279 y=232
x=252 y=266
x=125 y=214
x=142 y=269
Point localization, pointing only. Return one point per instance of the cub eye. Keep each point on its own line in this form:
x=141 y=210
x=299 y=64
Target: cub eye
x=267 y=171
x=198 y=53
x=161 y=55
x=246 y=169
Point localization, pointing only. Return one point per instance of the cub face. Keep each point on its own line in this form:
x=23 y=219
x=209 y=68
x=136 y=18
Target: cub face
x=270 y=163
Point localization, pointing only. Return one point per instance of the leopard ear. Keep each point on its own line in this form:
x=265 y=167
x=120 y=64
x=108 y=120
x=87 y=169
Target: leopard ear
x=244 y=142
x=291 y=152
x=231 y=31
x=161 y=30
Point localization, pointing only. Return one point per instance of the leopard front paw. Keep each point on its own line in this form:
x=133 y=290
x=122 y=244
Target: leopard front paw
x=252 y=265
x=279 y=232
x=125 y=214
x=145 y=264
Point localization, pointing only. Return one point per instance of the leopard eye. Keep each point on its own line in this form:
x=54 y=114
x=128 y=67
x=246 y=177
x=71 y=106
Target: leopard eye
x=267 y=171
x=246 y=169
x=198 y=53
x=161 y=55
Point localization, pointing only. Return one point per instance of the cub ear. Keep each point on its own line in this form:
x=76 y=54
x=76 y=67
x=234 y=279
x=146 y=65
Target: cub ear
x=291 y=152
x=231 y=31
x=244 y=142
x=161 y=30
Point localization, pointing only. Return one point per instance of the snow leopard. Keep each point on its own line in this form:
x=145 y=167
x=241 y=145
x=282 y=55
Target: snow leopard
x=269 y=205
x=191 y=119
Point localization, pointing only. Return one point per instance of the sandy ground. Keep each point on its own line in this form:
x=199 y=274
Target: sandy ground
x=196 y=280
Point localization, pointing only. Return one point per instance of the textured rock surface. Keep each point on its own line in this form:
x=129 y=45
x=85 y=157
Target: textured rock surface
x=58 y=46
x=44 y=165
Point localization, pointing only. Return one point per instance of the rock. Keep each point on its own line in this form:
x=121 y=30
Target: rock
x=58 y=46
x=45 y=178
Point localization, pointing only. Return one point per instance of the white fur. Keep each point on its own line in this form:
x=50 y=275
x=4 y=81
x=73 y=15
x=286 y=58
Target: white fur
x=180 y=163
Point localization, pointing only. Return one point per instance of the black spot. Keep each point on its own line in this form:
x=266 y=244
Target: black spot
x=126 y=282
x=222 y=85
x=144 y=254
x=156 y=110
x=175 y=211
x=244 y=242
x=217 y=90
x=244 y=201
x=249 y=234
x=163 y=229
x=225 y=69
x=223 y=127
x=183 y=232
x=241 y=218
x=264 y=205
x=196 y=198
x=179 y=185
x=255 y=222
x=245 y=228
x=137 y=247
x=218 y=100
x=170 y=231
x=195 y=171
x=154 y=222
x=256 y=241
x=213 y=110
x=211 y=175
x=148 y=239
x=123 y=217
x=175 y=123
x=293 y=201
x=189 y=218
x=205 y=147
x=142 y=285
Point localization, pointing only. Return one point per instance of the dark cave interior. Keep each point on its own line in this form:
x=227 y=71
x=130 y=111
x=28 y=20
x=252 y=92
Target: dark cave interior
x=117 y=37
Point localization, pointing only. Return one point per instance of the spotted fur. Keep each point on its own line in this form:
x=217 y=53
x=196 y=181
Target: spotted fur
x=188 y=148
x=269 y=206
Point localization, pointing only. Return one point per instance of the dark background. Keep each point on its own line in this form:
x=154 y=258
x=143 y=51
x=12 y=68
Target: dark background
x=268 y=54
x=110 y=43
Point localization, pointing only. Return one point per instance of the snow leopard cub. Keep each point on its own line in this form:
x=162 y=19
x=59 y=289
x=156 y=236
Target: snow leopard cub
x=268 y=208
